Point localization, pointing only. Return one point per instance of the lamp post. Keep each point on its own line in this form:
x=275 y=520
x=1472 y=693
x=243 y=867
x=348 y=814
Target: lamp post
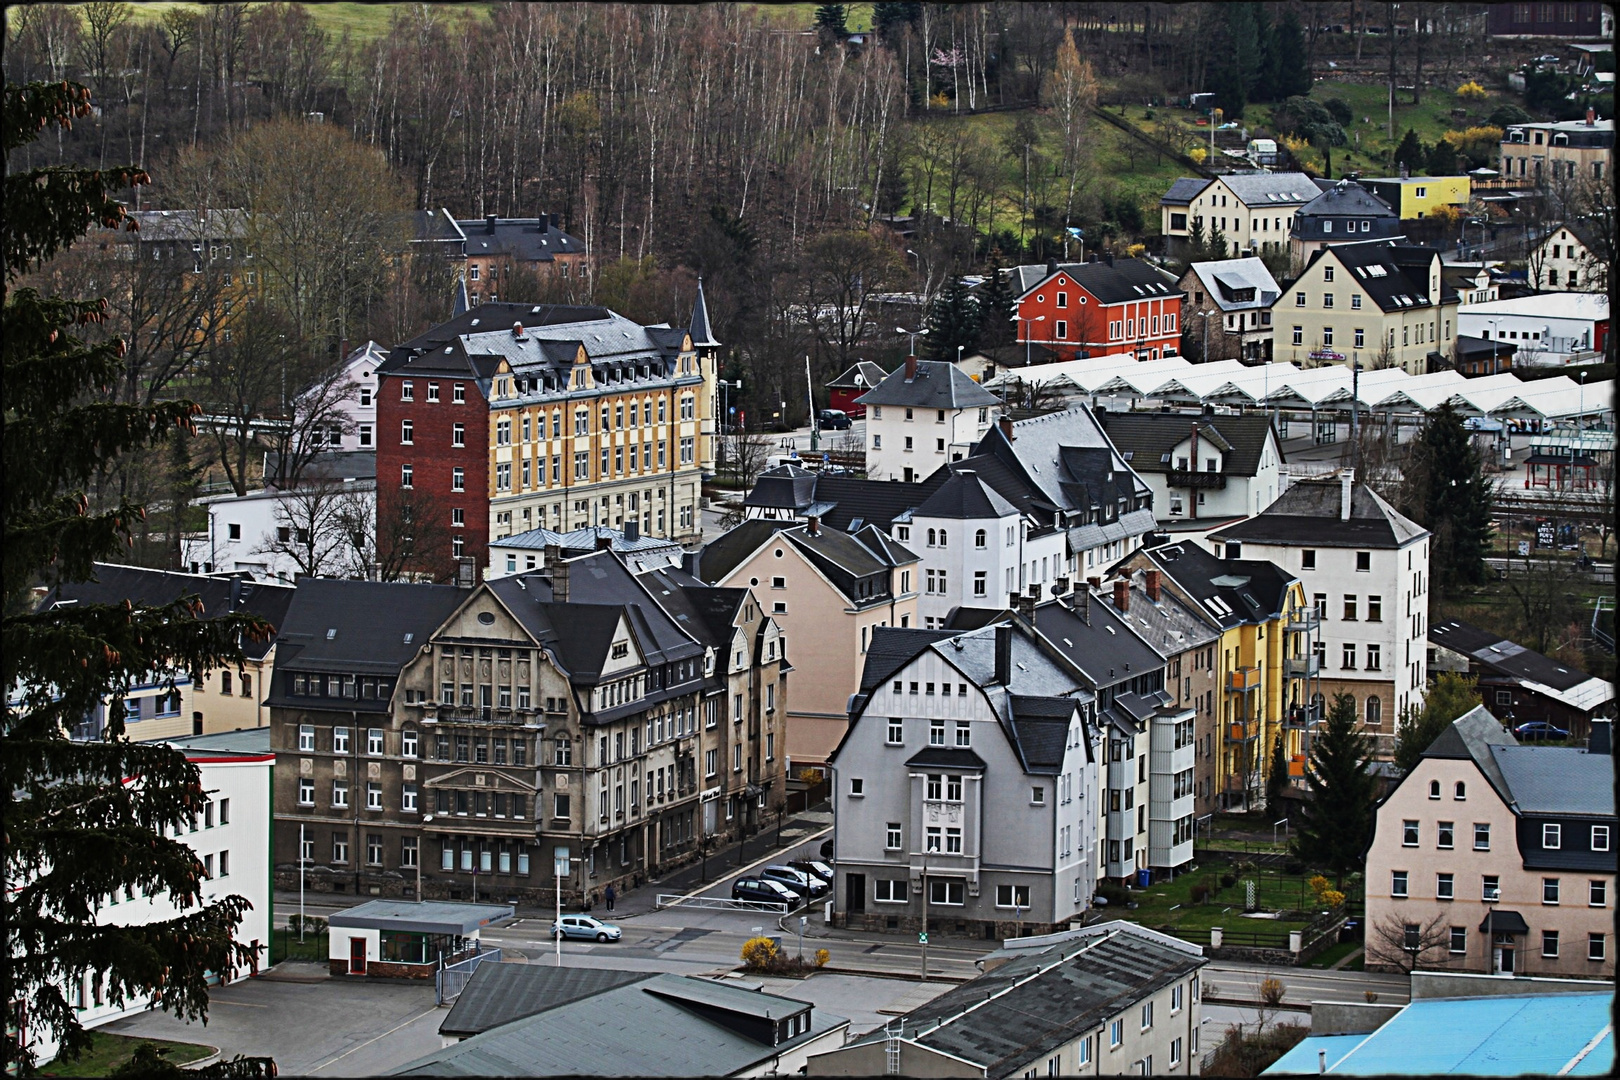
x=915 y=334
x=425 y=819
x=1029 y=333
x=1204 y=359
x=559 y=867
x=1493 y=345
x=1355 y=409
x=922 y=938
x=301 y=884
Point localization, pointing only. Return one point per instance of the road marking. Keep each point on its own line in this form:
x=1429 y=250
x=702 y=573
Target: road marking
x=238 y=1004
x=368 y=1042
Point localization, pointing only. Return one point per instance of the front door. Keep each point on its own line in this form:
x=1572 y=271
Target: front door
x=357 y=956
x=854 y=892
x=1502 y=959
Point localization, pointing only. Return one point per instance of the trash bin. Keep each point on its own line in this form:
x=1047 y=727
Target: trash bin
x=1144 y=878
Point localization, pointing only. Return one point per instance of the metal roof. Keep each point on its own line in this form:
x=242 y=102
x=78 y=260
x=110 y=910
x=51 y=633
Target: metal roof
x=421 y=917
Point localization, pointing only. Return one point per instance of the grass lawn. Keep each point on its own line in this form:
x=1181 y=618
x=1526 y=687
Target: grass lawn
x=1331 y=956
x=284 y=945
x=363 y=22
x=107 y=1052
x=1170 y=906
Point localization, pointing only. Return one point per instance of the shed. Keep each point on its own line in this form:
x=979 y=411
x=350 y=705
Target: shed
x=406 y=939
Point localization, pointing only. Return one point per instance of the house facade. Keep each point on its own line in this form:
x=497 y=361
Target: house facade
x=1251 y=210
x=1548 y=328
x=923 y=415
x=1569 y=150
x=1567 y=259
x=1200 y=466
x=1415 y=197
x=1103 y=307
x=1229 y=312
x=1498 y=858
x=1344 y=213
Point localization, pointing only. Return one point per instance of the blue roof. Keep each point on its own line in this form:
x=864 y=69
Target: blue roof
x=1489 y=1036
x=1303 y=1058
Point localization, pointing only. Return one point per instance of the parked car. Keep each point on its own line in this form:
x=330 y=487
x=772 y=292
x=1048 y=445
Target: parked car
x=802 y=883
x=765 y=891
x=586 y=927
x=814 y=866
x=1539 y=729
x=833 y=420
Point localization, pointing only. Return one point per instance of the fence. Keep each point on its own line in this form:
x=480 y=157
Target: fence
x=449 y=981
x=717 y=903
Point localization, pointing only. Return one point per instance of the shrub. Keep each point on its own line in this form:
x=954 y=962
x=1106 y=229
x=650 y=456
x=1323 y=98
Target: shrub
x=1200 y=894
x=310 y=924
x=1228 y=880
x=759 y=953
x=822 y=956
x=1471 y=91
x=1197 y=154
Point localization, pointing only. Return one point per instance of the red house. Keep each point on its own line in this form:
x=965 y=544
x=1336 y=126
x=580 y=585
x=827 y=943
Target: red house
x=844 y=391
x=1102 y=307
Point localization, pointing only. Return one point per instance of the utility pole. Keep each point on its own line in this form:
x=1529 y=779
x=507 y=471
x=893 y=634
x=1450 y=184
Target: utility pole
x=1355 y=411
x=922 y=938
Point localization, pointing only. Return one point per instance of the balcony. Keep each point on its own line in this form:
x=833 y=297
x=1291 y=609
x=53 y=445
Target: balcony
x=1242 y=732
x=1308 y=667
x=1244 y=680
x=1304 y=621
x=1302 y=716
x=1187 y=478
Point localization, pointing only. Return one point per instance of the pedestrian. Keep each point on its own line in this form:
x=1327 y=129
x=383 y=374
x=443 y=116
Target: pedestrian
x=608 y=896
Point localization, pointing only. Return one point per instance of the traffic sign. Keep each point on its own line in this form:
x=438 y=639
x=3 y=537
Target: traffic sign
x=922 y=938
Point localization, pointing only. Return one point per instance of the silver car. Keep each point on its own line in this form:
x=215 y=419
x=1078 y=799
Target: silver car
x=586 y=927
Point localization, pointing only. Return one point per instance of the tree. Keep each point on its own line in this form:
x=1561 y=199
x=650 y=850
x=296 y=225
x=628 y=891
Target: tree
x=1312 y=121
x=321 y=526
x=830 y=20
x=1446 y=492
x=841 y=273
x=1407 y=946
x=996 y=309
x=1543 y=588
x=953 y=321
x=1340 y=110
x=1410 y=153
x=1442 y=159
x=78 y=828
x=1237 y=58
x=1277 y=775
x=1287 y=67
x=1338 y=815
x=1449 y=696
x=411 y=541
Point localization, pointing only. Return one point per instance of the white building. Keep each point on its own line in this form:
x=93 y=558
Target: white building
x=356 y=412
x=527 y=550
x=1200 y=466
x=1548 y=328
x=925 y=414
x=1568 y=259
x=232 y=839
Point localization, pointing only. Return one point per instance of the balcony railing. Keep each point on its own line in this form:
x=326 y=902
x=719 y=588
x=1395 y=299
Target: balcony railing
x=1242 y=733
x=1188 y=478
x=1243 y=680
x=1302 y=716
x=1306 y=666
x=1304 y=620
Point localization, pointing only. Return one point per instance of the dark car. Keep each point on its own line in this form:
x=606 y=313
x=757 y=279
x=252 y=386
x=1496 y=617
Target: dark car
x=833 y=420
x=814 y=867
x=1539 y=729
x=801 y=882
x=764 y=891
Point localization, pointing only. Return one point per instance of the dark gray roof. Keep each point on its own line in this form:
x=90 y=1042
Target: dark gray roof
x=962 y=496
x=1229 y=592
x=536 y=239
x=1557 y=779
x=1118 y=282
x=1308 y=513
x=1504 y=656
x=332 y=465
x=1184 y=190
x=1042 y=726
x=1169 y=626
x=847 y=560
x=1469 y=738
x=861 y=375
x=937 y=385
x=500 y=993
x=892 y=648
x=424 y=917
x=950 y=757
x=1145 y=439
x=699 y=328
x=1257 y=189
x=1345 y=200
x=1397 y=278
x=1095 y=641
x=725 y=552
x=1065 y=461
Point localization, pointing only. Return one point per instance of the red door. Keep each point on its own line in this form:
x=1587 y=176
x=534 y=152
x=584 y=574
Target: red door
x=357 y=956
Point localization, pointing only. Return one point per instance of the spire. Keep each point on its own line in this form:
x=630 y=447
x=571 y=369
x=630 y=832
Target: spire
x=460 y=306
x=702 y=336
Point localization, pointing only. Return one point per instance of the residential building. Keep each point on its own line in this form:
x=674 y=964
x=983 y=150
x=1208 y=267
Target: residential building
x=1266 y=662
x=1102 y=307
x=828 y=592
x=1511 y=847
x=304 y=529
x=1416 y=197
x=412 y=939
x=1345 y=213
x=1578 y=20
x=1383 y=304
x=496 y=248
x=1518 y=685
x=1567 y=258
x=230 y=836
x=1241 y=292
x=535 y=1020
x=1569 y=150
x=1549 y=328
x=1251 y=210
x=923 y=415
x=527 y=550
x=1472 y=282
x=510 y=418
x=976 y=547
x=1364 y=569
x=1113 y=998
x=1478 y=357
x=1200 y=465
x=356 y=413
x=177 y=704
x=966 y=787
x=844 y=392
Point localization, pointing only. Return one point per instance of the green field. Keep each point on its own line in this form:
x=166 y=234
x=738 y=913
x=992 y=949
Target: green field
x=1170 y=907
x=107 y=1052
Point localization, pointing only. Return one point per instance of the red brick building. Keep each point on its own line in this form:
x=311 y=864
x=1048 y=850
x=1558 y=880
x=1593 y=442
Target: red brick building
x=1103 y=307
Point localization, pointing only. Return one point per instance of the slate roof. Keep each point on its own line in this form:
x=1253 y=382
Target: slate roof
x=1184 y=190
x=937 y=385
x=1017 y=1014
x=1382 y=270
x=1122 y=281
x=1504 y=656
x=1230 y=592
x=861 y=375
x=1344 y=200
x=1308 y=513
x=164 y=226
x=1169 y=626
x=1095 y=640
x=437 y=226
x=962 y=496
x=1255 y=189
x=844 y=558
x=146 y=587
x=1469 y=738
x=536 y=239
x=1224 y=278
x=1069 y=460
x=698 y=326
x=949 y=757
x=1557 y=779
x=1145 y=439
x=500 y=993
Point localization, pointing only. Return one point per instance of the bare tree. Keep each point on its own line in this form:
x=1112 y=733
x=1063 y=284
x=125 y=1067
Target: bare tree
x=1543 y=587
x=411 y=540
x=323 y=527
x=1408 y=946
x=745 y=454
x=842 y=271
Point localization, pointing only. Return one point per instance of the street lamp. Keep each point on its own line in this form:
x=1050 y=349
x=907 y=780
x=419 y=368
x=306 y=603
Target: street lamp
x=1029 y=332
x=1206 y=314
x=915 y=334
x=725 y=415
x=1493 y=323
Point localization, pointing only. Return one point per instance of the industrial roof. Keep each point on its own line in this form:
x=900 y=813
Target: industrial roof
x=1538 y=673
x=421 y=917
x=1593 y=307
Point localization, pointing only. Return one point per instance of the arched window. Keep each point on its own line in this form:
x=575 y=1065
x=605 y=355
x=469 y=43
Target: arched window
x=1375 y=711
x=979 y=539
x=1434 y=789
x=942 y=538
x=931 y=535
x=1462 y=790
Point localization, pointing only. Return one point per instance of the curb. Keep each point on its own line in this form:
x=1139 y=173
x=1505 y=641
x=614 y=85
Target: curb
x=867 y=973
x=1242 y=1003
x=203 y=1062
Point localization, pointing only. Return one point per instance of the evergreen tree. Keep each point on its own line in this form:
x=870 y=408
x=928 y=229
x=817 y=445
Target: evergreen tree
x=1277 y=776
x=996 y=303
x=1450 y=695
x=831 y=20
x=1338 y=815
x=1238 y=59
x=78 y=829
x=1410 y=152
x=1442 y=160
x=953 y=319
x=889 y=17
x=1444 y=489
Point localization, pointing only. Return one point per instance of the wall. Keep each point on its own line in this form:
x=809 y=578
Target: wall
x=1417 y=331
x=937 y=436
x=433 y=457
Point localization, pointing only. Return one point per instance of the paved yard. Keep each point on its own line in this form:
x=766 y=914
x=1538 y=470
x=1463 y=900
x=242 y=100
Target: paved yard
x=867 y=1002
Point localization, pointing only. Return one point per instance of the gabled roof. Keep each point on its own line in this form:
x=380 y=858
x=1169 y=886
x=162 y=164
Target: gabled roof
x=1229 y=592
x=1095 y=640
x=892 y=648
x=1146 y=439
x=1308 y=513
x=1043 y=449
x=964 y=496
x=363 y=627
x=1469 y=738
x=842 y=557
x=1168 y=626
x=937 y=385
x=861 y=375
x=500 y=993
x=1379 y=268
x=1226 y=278
x=1260 y=189
x=1119 y=281
x=1530 y=669
x=1184 y=191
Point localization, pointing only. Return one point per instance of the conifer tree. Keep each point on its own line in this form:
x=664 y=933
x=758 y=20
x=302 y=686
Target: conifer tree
x=1338 y=815
x=1448 y=697
x=953 y=319
x=996 y=302
x=1411 y=153
x=1444 y=489
x=1277 y=774
x=87 y=820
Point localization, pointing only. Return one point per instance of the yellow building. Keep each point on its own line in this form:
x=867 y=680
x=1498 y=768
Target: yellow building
x=1419 y=196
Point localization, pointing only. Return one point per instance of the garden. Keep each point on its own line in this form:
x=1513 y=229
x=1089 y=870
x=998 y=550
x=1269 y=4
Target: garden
x=108 y=1053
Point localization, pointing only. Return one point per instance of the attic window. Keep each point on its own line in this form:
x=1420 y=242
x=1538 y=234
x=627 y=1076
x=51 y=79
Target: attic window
x=534 y=311
x=473 y=323
x=409 y=637
x=486 y=618
x=448 y=348
x=331 y=633
x=1129 y=454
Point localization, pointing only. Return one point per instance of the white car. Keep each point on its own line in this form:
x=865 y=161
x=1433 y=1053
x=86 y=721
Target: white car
x=584 y=926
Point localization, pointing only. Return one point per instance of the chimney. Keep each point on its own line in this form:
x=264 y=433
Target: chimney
x=1082 y=604
x=1006 y=426
x=489 y=224
x=1404 y=173
x=1347 y=481
x=812 y=527
x=1153 y=580
x=1110 y=258
x=1051 y=266
x=1601 y=740
x=559 y=573
x=632 y=529
x=1004 y=635
x=1591 y=116
x=1060 y=585
x=466 y=572
x=1122 y=596
x=604 y=541
x=1092 y=257
x=517 y=330
x=1093 y=582
x=911 y=368
x=1024 y=608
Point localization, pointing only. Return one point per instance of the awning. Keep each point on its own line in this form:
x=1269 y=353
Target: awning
x=1504 y=922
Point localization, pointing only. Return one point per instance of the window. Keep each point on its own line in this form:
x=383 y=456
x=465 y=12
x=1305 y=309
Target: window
x=1307 y=559
x=1549 y=890
x=891 y=840
x=306 y=792
x=374 y=796
x=1434 y=789
x=458 y=479
x=1460 y=793
x=936 y=729
x=1552 y=837
x=407 y=743
x=1012 y=896
x=1327 y=335
x=306 y=737
x=1482 y=836
x=1347 y=659
x=1375 y=706
x=1116 y=1033
x=889 y=890
x=1409 y=834
x=1459 y=939
x=896 y=733
x=458 y=393
x=407 y=432
x=1375 y=609
x=408 y=799
x=1175 y=1052
x=1597 y=893
x=964 y=732
x=374 y=742
x=1037 y=796
x=1490 y=888
x=950 y=892
x=1299 y=299
x=340 y=740
x=407 y=391
x=1600 y=838
x=1147 y=1015
x=1595 y=947
x=406 y=474
x=1327 y=299
x=1445 y=886
x=857 y=785
x=1350 y=607
x=1299 y=335
x=933 y=836
x=340 y=847
x=1397 y=884
x=953 y=841
x=1443 y=835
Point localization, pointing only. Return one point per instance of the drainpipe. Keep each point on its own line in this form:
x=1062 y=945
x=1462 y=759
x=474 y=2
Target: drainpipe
x=354 y=787
x=1192 y=466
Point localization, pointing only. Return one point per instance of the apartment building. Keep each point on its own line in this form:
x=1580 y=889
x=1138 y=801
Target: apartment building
x=1344 y=213
x=1105 y=306
x=1499 y=858
x=492 y=250
x=1567 y=259
x=923 y=415
x=1415 y=197
x=1228 y=315
x=1567 y=151
x=1200 y=465
x=1251 y=210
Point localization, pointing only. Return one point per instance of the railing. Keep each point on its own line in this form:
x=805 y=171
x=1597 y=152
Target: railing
x=1304 y=620
x=1243 y=680
x=1307 y=666
x=1301 y=716
x=717 y=903
x=1242 y=732
x=450 y=980
x=1187 y=478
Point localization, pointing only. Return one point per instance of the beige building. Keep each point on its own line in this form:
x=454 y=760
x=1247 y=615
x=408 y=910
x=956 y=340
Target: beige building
x=1572 y=150
x=1568 y=260
x=827 y=591
x=1495 y=857
x=1252 y=210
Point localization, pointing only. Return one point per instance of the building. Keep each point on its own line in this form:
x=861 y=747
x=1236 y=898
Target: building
x=1416 y=197
x=1111 y=999
x=304 y=529
x=1578 y=20
x=1102 y=307
x=231 y=837
x=1263 y=661
x=496 y=248
x=844 y=392
x=1476 y=357
x=534 y=1020
x=509 y=418
x=527 y=551
x=1383 y=304
x=1569 y=150
x=1364 y=568
x=1200 y=466
x=1344 y=213
x=1549 y=328
x=356 y=412
x=176 y=704
x=391 y=939
x=1517 y=684
x=1251 y=210
x=923 y=415
x=1509 y=848
x=1241 y=292
x=828 y=592
x=1568 y=258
